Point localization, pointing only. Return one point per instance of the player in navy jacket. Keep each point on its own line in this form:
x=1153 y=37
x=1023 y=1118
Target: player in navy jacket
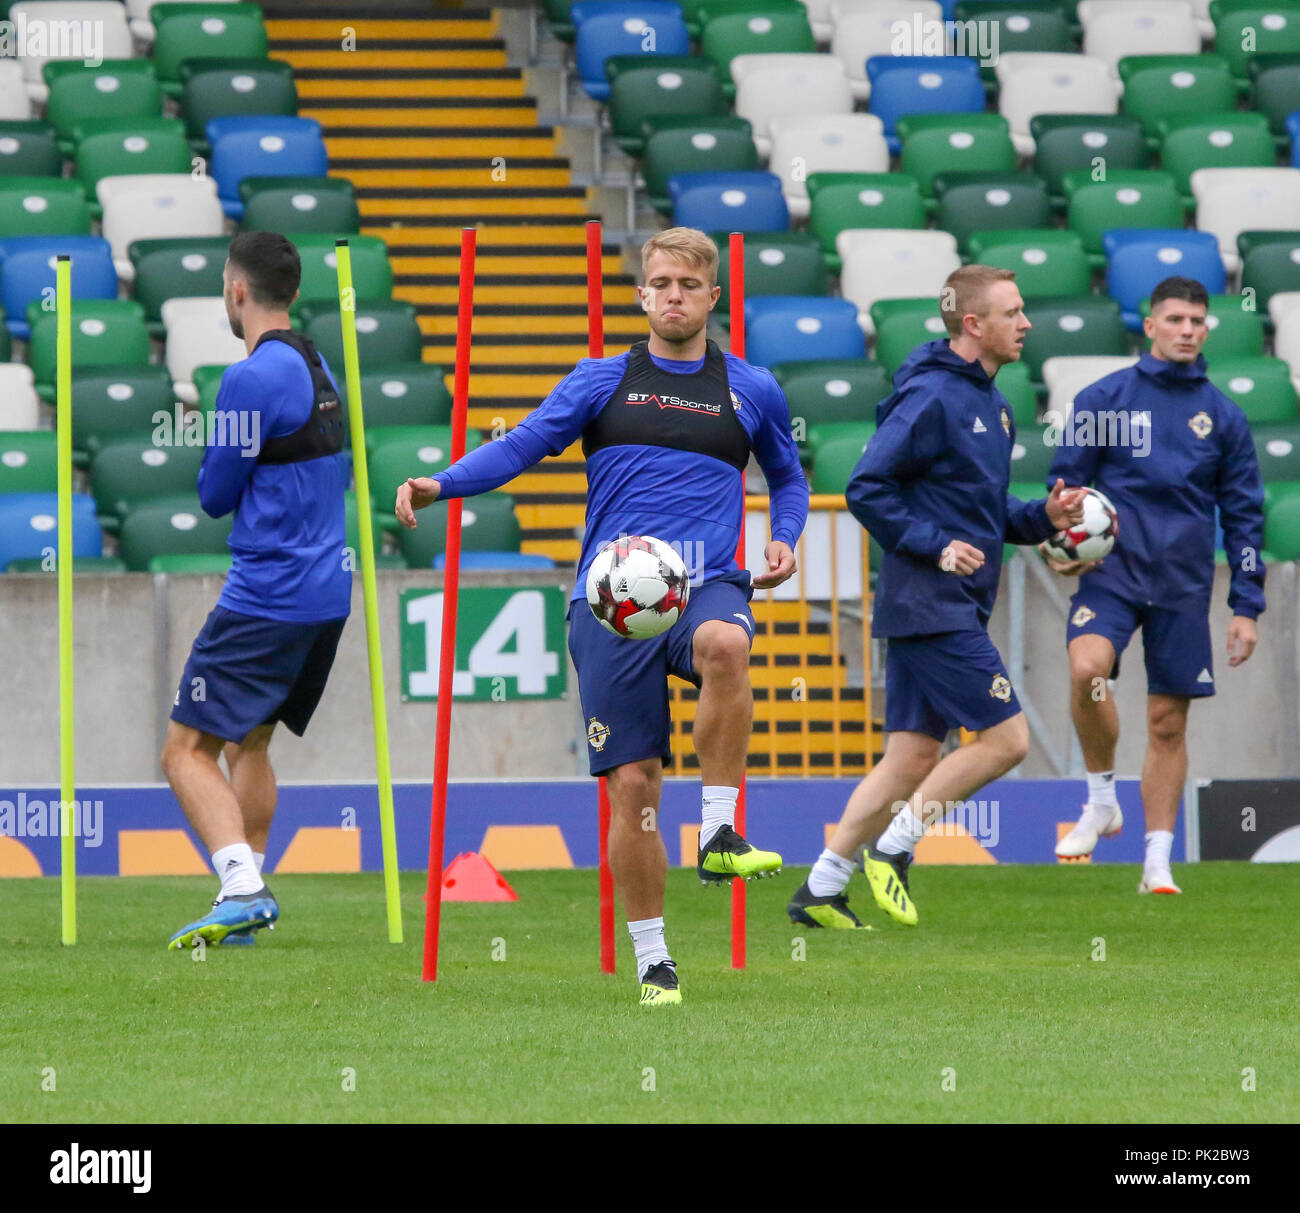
x=1167 y=447
x=667 y=429
x=932 y=489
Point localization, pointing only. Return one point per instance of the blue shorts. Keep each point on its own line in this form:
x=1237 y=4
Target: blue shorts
x=935 y=683
x=624 y=683
x=246 y=671
x=1176 y=643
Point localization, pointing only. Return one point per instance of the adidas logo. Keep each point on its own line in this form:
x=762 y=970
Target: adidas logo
x=1204 y=676
x=980 y=427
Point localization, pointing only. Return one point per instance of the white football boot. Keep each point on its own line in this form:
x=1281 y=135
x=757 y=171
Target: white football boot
x=1157 y=880
x=1081 y=840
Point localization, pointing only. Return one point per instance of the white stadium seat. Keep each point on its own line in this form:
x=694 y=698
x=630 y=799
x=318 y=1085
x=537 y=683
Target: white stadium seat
x=14 y=101
x=1053 y=84
x=769 y=86
x=1066 y=377
x=137 y=15
x=893 y=263
x=883 y=27
x=819 y=18
x=841 y=143
x=1230 y=201
x=86 y=29
x=155 y=206
x=1115 y=28
x=20 y=406
x=198 y=334
x=1284 y=311
x=1201 y=15
x=1013 y=62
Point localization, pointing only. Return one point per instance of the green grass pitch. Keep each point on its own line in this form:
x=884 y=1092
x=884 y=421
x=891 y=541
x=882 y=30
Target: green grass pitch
x=992 y=1009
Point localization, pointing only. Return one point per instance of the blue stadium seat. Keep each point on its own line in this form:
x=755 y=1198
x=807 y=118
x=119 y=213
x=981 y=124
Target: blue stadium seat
x=27 y=268
x=797 y=328
x=254 y=146
x=29 y=526
x=729 y=202
x=497 y=560
x=1293 y=130
x=1138 y=258
x=604 y=30
x=919 y=84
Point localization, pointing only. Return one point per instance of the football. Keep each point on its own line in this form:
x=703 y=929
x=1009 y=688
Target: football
x=637 y=587
x=1092 y=538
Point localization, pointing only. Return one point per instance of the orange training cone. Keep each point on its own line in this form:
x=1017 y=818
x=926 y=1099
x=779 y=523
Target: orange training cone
x=470 y=877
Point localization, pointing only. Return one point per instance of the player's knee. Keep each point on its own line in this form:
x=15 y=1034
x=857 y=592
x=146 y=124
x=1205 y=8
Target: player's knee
x=1167 y=727
x=635 y=784
x=1013 y=742
x=173 y=757
x=722 y=650
x=1087 y=671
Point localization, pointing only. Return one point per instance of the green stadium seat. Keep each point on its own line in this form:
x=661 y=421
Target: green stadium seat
x=1227 y=140
x=43 y=206
x=854 y=200
x=979 y=202
x=1260 y=386
x=110 y=403
x=110 y=147
x=676 y=143
x=1279 y=490
x=5 y=343
x=1236 y=331
x=402 y=393
x=299 y=204
x=171 y=526
x=191 y=563
x=829 y=432
x=1021 y=27
x=105 y=332
x=1275 y=90
x=1137 y=198
x=901 y=325
x=1278 y=451
x=178 y=267
x=776 y=263
x=387 y=331
x=1072 y=143
x=1016 y=385
x=1245 y=29
x=1031 y=457
x=207 y=384
x=1282 y=529
x=699 y=13
x=1169 y=86
x=488 y=524
x=1270 y=262
x=776 y=30
x=1075 y=325
x=641 y=89
x=1047 y=261
x=28 y=461
x=829 y=391
x=116 y=88
x=835 y=463
x=29 y=149
x=559 y=18
x=101 y=565
x=216 y=88
x=947 y=143
x=128 y=471
x=396 y=452
x=204 y=31
x=372 y=275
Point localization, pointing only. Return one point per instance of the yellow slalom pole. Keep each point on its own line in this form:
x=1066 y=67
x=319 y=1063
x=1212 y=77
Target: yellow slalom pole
x=387 y=825
x=67 y=775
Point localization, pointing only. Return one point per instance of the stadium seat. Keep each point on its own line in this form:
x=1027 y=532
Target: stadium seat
x=107 y=18
x=28 y=149
x=1275 y=91
x=1036 y=26
x=105 y=332
x=901 y=325
x=775 y=32
x=181 y=564
x=829 y=391
x=203 y=31
x=734 y=202
x=198 y=334
x=1284 y=309
x=1069 y=143
x=1261 y=387
x=804 y=144
x=29 y=527
x=1139 y=258
x=1137 y=27
x=641 y=90
x=1282 y=529
x=120 y=88
x=352 y=536
x=488 y=522
x=28 y=461
x=819 y=18
x=834 y=463
x=27 y=274
x=214 y=88
x=1046 y=261
x=1137 y=198
x=1161 y=87
x=1245 y=29
x=5 y=343
x=693 y=144
x=976 y=202
x=130 y=470
x=171 y=526
x=20 y=406
x=865 y=31
x=773 y=85
x=207 y=385
x=902 y=87
x=849 y=200
x=625 y=28
x=1032 y=84
x=1270 y=262
x=1031 y=455
x=776 y=263
x=1230 y=140
x=372 y=275
x=937 y=143
x=1065 y=376
x=114 y=147
x=698 y=13
x=1236 y=329
x=387 y=331
x=1015 y=383
x=1230 y=201
x=262 y=147
x=401 y=393
x=299 y=204
x=1082 y=324
x=893 y=264
x=43 y=206
x=559 y=17
x=110 y=403
x=795 y=328
x=158 y=206
x=15 y=104
x=141 y=23
x=829 y=433
x=176 y=268
x=1278 y=451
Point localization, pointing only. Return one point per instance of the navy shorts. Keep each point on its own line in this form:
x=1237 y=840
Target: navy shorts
x=935 y=683
x=1176 y=643
x=624 y=683
x=245 y=671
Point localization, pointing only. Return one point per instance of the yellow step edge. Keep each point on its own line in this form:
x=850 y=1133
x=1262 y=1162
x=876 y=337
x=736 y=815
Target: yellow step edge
x=453 y=147
x=562 y=551
x=382 y=89
x=783 y=708
x=381 y=28
x=394 y=119
x=548 y=482
x=539 y=325
x=489 y=262
x=479 y=205
x=562 y=357
x=551 y=515
x=522 y=292
x=494 y=236
x=360 y=58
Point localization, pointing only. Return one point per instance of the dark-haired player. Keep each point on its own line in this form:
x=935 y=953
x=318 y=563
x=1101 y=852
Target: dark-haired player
x=1196 y=454
x=266 y=649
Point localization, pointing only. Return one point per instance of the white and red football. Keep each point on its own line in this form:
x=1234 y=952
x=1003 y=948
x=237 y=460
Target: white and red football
x=1092 y=538
x=637 y=587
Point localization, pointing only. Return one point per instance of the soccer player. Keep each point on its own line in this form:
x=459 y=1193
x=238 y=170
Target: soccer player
x=667 y=429
x=932 y=488
x=1166 y=446
x=266 y=649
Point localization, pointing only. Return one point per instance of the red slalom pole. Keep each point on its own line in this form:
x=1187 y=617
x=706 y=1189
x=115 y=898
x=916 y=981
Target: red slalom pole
x=596 y=349
x=450 y=594
x=736 y=262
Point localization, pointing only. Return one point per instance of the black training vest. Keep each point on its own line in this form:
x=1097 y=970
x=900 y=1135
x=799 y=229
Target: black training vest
x=322 y=433
x=652 y=407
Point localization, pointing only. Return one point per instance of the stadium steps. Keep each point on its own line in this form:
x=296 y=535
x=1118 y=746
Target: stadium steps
x=436 y=131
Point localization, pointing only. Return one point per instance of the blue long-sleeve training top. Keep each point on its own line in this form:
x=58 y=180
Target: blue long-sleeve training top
x=688 y=499
x=1166 y=446
x=289 y=535
x=937 y=469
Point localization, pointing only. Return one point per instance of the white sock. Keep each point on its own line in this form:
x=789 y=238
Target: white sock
x=830 y=874
x=719 y=809
x=1101 y=789
x=237 y=869
x=1158 y=844
x=259 y=858
x=902 y=834
x=648 y=941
